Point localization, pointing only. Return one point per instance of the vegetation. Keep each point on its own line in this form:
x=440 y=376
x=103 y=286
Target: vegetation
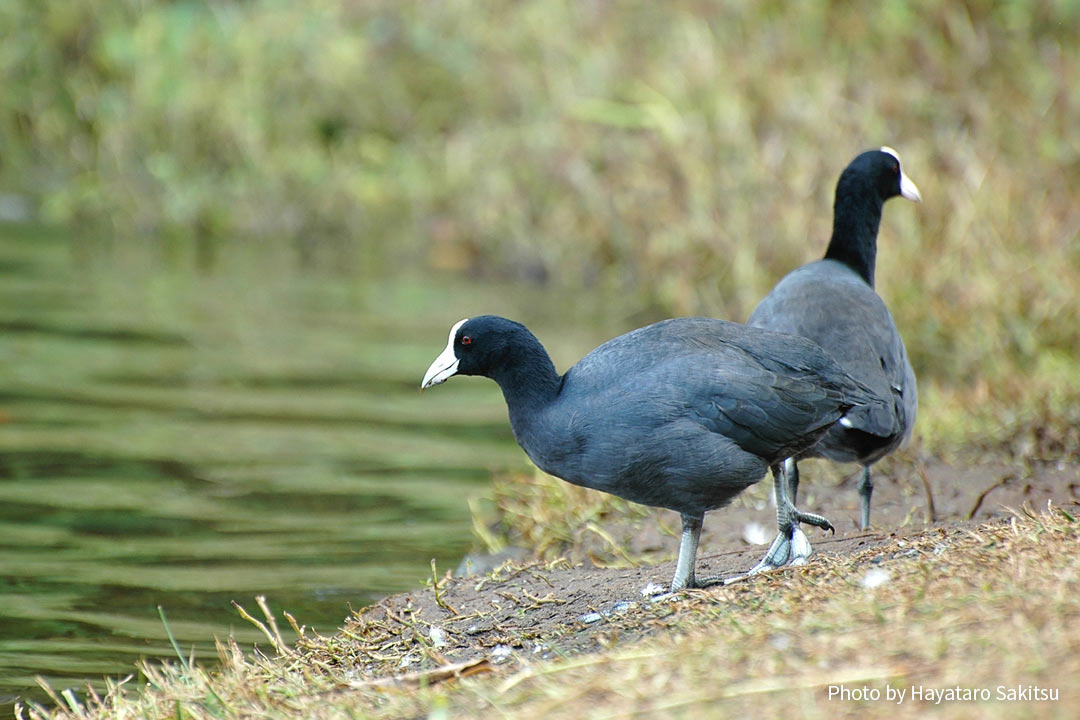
x=680 y=157
x=936 y=610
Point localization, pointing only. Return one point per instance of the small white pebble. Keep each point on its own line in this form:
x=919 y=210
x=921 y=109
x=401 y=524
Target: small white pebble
x=653 y=589
x=780 y=641
x=591 y=617
x=407 y=661
x=664 y=597
x=438 y=636
x=754 y=533
x=500 y=654
x=622 y=606
x=875 y=577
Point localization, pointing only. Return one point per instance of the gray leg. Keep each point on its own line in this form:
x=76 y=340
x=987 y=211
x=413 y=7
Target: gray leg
x=783 y=551
x=793 y=513
x=684 y=567
x=791 y=545
x=866 y=489
x=792 y=470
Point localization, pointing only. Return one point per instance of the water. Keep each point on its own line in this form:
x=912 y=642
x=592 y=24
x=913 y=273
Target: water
x=182 y=438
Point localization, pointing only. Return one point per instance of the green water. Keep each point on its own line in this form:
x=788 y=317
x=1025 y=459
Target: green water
x=184 y=438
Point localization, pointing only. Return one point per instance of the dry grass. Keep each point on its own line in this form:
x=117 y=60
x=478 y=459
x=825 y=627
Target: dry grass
x=553 y=518
x=995 y=605
x=681 y=159
x=976 y=609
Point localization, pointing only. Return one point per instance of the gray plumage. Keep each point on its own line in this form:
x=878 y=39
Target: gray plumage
x=833 y=302
x=683 y=414
x=829 y=303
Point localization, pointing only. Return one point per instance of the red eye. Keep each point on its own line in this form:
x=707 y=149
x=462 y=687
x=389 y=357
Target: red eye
x=466 y=340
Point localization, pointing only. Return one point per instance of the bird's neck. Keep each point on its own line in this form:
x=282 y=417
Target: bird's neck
x=529 y=383
x=856 y=217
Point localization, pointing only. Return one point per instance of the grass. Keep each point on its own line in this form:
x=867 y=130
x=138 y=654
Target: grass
x=679 y=157
x=981 y=607
x=554 y=519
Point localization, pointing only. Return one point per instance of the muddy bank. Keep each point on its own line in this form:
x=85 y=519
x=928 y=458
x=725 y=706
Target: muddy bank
x=529 y=611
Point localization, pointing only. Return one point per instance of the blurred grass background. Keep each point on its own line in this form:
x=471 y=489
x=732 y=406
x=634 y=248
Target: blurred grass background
x=681 y=156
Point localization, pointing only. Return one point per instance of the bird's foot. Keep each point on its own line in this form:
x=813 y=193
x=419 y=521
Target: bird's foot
x=798 y=516
x=787 y=515
x=793 y=551
x=655 y=592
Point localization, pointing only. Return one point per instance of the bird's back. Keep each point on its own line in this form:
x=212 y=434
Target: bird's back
x=829 y=303
x=687 y=412
x=725 y=345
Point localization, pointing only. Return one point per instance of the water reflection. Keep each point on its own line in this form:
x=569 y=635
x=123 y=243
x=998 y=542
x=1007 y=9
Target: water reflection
x=184 y=440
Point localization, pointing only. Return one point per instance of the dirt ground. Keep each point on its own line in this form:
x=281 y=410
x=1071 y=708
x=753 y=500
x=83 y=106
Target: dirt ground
x=530 y=610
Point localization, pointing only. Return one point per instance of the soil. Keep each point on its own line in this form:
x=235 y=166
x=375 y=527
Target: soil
x=531 y=610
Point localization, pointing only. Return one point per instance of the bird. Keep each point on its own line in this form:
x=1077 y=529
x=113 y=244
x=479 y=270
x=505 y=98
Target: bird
x=833 y=302
x=682 y=414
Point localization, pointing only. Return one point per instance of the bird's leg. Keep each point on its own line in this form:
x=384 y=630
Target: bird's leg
x=790 y=541
x=684 y=567
x=866 y=489
x=791 y=545
x=793 y=513
x=792 y=481
x=785 y=550
x=685 y=576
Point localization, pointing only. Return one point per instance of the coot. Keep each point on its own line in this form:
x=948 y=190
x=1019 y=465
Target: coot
x=833 y=302
x=683 y=414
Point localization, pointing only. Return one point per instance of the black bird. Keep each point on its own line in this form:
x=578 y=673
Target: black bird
x=833 y=302
x=683 y=414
